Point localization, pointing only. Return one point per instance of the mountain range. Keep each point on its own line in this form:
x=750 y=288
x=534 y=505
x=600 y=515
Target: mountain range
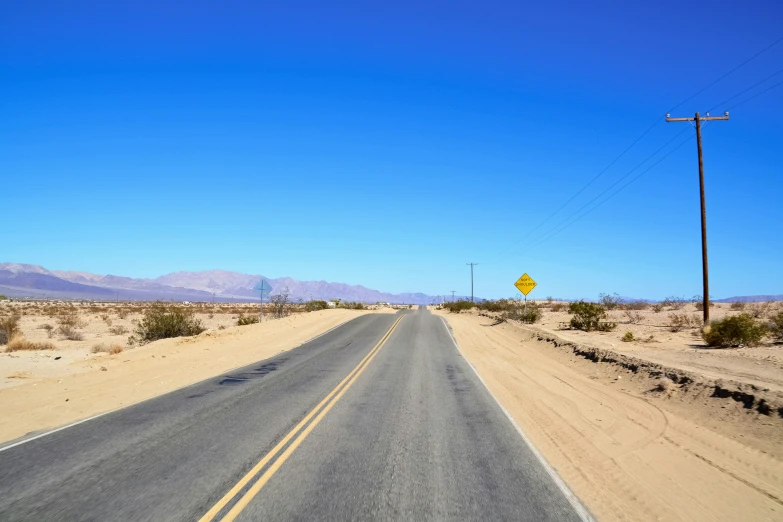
x=23 y=280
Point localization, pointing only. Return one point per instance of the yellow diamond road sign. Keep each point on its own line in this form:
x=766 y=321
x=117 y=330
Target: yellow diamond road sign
x=525 y=284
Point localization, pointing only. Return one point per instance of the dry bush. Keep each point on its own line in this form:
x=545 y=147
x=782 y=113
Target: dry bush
x=610 y=302
x=9 y=327
x=118 y=330
x=106 y=319
x=776 y=326
x=674 y=302
x=636 y=305
x=557 y=307
x=69 y=318
x=739 y=305
x=49 y=329
x=70 y=333
x=633 y=316
x=657 y=307
x=113 y=349
x=244 y=320
x=19 y=343
x=679 y=321
x=760 y=310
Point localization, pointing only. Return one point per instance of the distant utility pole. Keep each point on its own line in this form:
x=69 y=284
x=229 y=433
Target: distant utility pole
x=705 y=274
x=471 y=279
x=452 y=295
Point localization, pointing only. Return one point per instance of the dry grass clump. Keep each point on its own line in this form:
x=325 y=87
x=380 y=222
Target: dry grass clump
x=70 y=333
x=678 y=322
x=113 y=349
x=118 y=330
x=19 y=343
x=633 y=316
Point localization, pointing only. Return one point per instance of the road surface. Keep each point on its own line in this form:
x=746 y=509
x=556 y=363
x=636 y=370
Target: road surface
x=379 y=419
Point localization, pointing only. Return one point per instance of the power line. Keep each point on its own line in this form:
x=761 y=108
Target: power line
x=724 y=102
x=609 y=187
x=756 y=95
x=503 y=253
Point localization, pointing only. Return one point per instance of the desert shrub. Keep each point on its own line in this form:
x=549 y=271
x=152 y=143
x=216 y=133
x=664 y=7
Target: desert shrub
x=633 y=316
x=530 y=315
x=458 y=306
x=679 y=321
x=350 y=305
x=759 y=310
x=739 y=305
x=162 y=321
x=106 y=319
x=70 y=333
x=69 y=318
x=9 y=327
x=674 y=302
x=609 y=302
x=739 y=330
x=657 y=307
x=118 y=330
x=501 y=305
x=588 y=317
x=280 y=304
x=49 y=329
x=628 y=337
x=244 y=320
x=113 y=349
x=776 y=326
x=19 y=343
x=698 y=302
x=557 y=307
x=636 y=305
x=315 y=305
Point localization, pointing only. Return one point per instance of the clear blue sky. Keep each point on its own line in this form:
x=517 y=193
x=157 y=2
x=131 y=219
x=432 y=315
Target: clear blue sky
x=387 y=144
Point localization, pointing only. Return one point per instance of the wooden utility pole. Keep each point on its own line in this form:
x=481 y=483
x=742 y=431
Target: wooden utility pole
x=471 y=279
x=705 y=274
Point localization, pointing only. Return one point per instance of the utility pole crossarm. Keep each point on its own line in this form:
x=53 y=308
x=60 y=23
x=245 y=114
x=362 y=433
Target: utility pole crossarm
x=704 y=118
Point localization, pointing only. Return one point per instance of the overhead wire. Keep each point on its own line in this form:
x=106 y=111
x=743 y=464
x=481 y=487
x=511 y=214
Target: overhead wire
x=504 y=254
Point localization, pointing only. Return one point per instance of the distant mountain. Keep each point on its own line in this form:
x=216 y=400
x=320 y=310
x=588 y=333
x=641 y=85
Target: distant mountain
x=22 y=280
x=750 y=299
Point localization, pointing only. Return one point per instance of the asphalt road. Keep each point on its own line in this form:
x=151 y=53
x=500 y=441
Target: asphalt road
x=379 y=419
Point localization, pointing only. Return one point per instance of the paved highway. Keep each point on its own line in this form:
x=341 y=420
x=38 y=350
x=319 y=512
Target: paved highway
x=379 y=419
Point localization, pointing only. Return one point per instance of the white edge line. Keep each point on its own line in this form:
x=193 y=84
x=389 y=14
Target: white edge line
x=580 y=509
x=19 y=443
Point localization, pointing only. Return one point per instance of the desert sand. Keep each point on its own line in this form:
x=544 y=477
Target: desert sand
x=631 y=445
x=47 y=389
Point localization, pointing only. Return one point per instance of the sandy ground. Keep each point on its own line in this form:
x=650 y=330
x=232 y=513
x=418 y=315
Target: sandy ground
x=629 y=451
x=48 y=389
x=760 y=365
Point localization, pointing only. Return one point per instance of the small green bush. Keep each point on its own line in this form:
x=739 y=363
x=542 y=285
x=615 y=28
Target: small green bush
x=162 y=321
x=312 y=306
x=588 y=317
x=456 y=307
x=628 y=337
x=244 y=320
x=3 y=297
x=734 y=331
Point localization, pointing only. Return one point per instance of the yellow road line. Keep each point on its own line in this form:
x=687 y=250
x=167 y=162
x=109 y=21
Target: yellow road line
x=240 y=505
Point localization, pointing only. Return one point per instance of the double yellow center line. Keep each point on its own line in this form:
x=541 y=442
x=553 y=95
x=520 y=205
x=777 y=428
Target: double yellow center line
x=295 y=437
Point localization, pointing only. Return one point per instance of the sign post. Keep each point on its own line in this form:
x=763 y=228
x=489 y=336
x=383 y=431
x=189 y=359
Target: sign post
x=525 y=284
x=263 y=288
